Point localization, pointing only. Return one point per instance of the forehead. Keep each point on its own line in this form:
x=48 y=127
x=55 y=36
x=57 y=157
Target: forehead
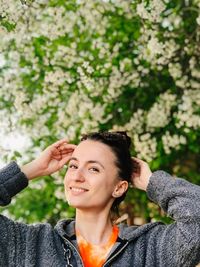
x=94 y=150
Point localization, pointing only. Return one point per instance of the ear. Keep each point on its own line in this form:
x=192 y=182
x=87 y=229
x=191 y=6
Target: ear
x=120 y=189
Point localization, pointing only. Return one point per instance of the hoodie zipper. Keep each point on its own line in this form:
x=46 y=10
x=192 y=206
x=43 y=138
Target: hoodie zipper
x=72 y=246
x=117 y=252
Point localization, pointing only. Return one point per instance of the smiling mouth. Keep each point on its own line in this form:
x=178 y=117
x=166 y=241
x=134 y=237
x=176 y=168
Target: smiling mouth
x=78 y=190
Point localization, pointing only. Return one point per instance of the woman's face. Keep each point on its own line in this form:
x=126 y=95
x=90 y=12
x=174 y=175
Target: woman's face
x=92 y=181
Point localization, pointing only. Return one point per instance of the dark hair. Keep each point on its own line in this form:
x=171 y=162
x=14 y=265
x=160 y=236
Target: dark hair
x=120 y=143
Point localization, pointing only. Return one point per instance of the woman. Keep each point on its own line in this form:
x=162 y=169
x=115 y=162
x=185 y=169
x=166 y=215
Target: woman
x=99 y=171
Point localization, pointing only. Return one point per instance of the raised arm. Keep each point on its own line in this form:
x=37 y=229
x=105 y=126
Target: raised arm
x=177 y=244
x=50 y=160
x=18 y=239
x=13 y=178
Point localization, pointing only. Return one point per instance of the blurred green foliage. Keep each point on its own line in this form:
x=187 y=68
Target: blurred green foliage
x=72 y=67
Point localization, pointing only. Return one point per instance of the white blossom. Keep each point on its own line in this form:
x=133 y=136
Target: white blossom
x=66 y=84
x=159 y=114
x=145 y=146
x=172 y=142
x=152 y=12
x=175 y=70
x=198 y=20
x=154 y=46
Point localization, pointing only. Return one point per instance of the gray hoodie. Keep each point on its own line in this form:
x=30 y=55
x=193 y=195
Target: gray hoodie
x=153 y=244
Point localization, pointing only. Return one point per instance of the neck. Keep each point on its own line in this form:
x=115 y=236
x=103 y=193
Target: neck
x=95 y=227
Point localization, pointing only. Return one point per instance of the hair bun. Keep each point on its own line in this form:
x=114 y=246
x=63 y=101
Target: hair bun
x=106 y=136
x=125 y=137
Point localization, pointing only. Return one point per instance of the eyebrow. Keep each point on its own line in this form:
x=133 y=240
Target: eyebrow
x=89 y=161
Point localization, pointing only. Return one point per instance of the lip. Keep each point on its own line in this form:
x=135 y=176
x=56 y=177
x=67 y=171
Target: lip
x=75 y=190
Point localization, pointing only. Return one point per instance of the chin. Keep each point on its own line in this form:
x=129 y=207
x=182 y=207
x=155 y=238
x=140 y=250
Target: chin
x=75 y=204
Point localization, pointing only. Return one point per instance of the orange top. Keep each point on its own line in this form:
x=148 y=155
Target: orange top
x=95 y=255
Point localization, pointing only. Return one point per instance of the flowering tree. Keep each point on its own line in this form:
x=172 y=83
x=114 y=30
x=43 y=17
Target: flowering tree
x=72 y=67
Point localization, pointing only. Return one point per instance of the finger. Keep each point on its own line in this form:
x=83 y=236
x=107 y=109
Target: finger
x=57 y=157
x=64 y=160
x=66 y=147
x=59 y=142
x=67 y=155
x=136 y=163
x=66 y=152
x=60 y=154
x=137 y=160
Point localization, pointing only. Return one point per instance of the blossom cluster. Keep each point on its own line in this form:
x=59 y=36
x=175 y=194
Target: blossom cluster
x=64 y=70
x=77 y=66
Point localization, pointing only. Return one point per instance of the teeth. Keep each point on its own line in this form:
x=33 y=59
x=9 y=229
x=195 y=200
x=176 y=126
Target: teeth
x=77 y=189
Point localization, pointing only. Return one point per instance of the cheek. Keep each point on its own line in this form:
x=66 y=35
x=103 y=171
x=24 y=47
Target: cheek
x=66 y=179
x=66 y=186
x=106 y=187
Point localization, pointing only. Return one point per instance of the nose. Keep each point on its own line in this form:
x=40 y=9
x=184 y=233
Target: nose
x=77 y=175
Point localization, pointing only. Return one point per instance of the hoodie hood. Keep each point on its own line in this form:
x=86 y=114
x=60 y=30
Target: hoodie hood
x=66 y=229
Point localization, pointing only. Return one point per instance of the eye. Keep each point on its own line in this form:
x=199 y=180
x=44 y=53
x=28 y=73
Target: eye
x=72 y=166
x=94 y=169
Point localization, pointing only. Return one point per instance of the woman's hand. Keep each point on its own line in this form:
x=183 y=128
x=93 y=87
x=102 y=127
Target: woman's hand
x=50 y=160
x=141 y=174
